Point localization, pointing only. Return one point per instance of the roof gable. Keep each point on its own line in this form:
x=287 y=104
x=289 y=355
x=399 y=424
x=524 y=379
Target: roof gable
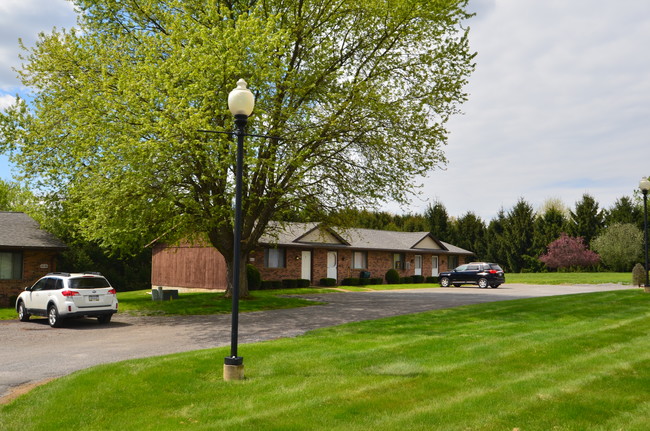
x=314 y=234
x=320 y=235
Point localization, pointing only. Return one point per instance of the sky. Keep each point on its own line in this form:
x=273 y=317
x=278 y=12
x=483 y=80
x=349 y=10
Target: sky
x=559 y=104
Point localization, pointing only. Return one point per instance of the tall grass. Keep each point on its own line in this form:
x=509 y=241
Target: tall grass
x=578 y=362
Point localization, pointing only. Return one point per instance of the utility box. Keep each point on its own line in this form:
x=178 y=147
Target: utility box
x=158 y=294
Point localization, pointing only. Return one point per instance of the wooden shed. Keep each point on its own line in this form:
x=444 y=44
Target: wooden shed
x=188 y=266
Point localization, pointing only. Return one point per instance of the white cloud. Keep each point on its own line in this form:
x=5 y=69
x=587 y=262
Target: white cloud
x=6 y=101
x=558 y=107
x=25 y=19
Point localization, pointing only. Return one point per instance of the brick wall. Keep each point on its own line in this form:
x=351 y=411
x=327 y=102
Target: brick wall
x=378 y=263
x=35 y=265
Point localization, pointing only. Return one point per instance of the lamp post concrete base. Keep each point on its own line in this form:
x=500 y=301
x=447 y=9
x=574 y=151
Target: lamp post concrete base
x=233 y=368
x=233 y=372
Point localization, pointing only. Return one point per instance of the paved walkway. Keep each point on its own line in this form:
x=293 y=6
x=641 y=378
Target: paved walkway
x=32 y=351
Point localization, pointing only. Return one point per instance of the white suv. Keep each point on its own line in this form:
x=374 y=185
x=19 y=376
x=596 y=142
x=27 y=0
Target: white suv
x=61 y=295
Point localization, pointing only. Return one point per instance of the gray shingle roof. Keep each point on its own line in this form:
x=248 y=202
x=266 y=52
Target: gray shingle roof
x=292 y=234
x=18 y=230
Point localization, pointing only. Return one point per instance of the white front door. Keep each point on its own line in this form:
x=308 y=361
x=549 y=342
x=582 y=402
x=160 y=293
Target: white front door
x=306 y=266
x=434 y=266
x=418 y=264
x=332 y=263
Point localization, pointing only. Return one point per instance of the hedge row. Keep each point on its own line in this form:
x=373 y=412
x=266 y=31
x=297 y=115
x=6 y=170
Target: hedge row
x=355 y=281
x=288 y=283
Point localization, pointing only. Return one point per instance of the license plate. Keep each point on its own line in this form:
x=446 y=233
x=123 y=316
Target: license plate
x=93 y=298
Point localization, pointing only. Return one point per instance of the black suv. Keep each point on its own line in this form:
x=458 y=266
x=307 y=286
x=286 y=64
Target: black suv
x=482 y=273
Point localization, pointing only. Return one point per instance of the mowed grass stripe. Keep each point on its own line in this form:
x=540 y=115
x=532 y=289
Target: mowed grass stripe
x=568 y=363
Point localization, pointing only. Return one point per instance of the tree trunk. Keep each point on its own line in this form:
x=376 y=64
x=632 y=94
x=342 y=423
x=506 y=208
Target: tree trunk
x=243 y=280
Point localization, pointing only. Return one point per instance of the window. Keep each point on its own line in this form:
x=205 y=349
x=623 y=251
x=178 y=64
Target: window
x=274 y=258
x=11 y=265
x=398 y=261
x=359 y=260
x=452 y=262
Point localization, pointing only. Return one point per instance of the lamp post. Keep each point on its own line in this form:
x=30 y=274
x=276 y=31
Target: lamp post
x=644 y=185
x=241 y=103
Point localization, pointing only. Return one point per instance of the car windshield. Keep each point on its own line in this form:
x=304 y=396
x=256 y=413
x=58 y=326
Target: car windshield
x=88 y=283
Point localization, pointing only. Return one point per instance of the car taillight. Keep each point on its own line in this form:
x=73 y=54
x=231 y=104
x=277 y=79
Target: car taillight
x=112 y=292
x=493 y=271
x=69 y=293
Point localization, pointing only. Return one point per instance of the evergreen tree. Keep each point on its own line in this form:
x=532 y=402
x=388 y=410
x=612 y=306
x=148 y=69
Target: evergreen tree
x=518 y=236
x=587 y=220
x=624 y=211
x=494 y=240
x=438 y=221
x=470 y=234
x=548 y=227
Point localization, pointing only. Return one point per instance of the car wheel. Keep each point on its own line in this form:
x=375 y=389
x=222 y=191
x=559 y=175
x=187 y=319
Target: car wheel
x=53 y=317
x=444 y=282
x=104 y=319
x=482 y=283
x=23 y=315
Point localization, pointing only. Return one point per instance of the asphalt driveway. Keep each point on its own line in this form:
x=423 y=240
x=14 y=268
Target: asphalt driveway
x=32 y=351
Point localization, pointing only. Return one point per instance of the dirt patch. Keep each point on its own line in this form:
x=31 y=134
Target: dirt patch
x=17 y=391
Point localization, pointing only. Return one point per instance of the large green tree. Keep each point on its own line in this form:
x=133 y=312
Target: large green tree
x=15 y=197
x=358 y=91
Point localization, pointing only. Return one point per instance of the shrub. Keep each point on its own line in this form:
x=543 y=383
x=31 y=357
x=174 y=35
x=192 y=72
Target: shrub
x=619 y=246
x=418 y=279
x=302 y=283
x=431 y=280
x=567 y=252
x=406 y=280
x=328 y=282
x=271 y=284
x=638 y=275
x=392 y=276
x=254 y=277
x=352 y=281
x=289 y=283
x=377 y=280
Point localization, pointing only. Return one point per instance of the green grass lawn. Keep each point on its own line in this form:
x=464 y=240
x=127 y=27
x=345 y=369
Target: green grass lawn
x=570 y=278
x=578 y=362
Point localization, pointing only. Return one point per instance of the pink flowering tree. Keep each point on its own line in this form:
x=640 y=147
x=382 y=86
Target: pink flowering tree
x=569 y=252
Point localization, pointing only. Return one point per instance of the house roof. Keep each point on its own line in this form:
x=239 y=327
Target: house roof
x=20 y=231
x=314 y=234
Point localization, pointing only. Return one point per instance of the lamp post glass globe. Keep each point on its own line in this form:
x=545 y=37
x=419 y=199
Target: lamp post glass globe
x=240 y=100
x=644 y=184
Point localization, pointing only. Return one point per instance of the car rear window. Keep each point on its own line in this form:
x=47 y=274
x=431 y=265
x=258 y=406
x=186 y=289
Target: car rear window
x=496 y=267
x=88 y=283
